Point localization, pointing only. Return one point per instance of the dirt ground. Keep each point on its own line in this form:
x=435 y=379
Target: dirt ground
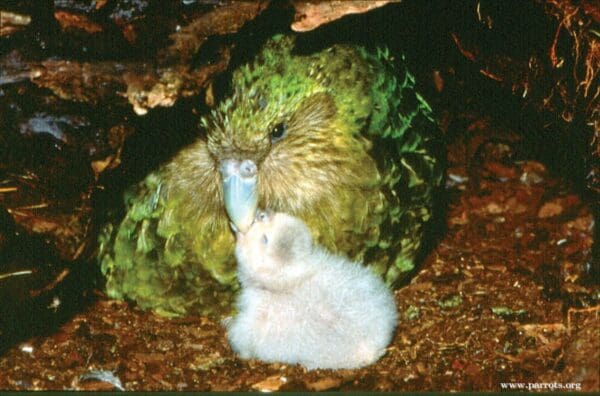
x=497 y=301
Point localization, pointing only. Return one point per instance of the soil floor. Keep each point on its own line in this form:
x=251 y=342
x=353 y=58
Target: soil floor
x=497 y=304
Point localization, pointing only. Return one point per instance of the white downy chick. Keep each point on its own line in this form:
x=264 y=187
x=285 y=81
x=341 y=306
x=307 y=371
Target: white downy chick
x=301 y=304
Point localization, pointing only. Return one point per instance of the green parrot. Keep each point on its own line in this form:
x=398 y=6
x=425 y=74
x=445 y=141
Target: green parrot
x=338 y=138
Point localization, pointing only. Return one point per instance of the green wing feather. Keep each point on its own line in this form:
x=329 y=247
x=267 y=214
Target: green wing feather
x=406 y=140
x=150 y=257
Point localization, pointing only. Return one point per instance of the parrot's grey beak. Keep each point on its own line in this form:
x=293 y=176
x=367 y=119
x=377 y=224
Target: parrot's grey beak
x=240 y=192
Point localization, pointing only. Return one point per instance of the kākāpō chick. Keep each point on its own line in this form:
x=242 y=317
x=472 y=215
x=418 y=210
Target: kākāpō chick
x=300 y=304
x=338 y=138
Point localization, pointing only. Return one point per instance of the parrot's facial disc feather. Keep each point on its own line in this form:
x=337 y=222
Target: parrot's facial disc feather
x=240 y=193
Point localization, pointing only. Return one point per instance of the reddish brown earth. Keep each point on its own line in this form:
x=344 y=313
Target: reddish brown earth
x=499 y=299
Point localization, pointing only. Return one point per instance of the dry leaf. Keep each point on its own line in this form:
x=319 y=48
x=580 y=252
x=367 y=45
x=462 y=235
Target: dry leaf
x=271 y=384
x=310 y=14
x=324 y=384
x=550 y=209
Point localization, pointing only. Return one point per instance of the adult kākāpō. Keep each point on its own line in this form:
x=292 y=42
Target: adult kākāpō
x=338 y=138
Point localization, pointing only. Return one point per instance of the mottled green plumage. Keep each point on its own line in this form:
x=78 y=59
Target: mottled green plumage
x=356 y=163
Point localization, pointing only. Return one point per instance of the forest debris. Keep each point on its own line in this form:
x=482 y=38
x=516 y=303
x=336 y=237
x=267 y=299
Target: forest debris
x=151 y=357
x=68 y=20
x=113 y=160
x=533 y=166
x=100 y=166
x=438 y=80
x=577 y=316
x=14 y=69
x=270 y=384
x=451 y=302
x=412 y=313
x=557 y=78
x=469 y=54
x=66 y=231
x=530 y=178
x=81 y=82
x=15 y=273
x=493 y=208
x=61 y=276
x=509 y=313
x=225 y=19
x=147 y=91
x=102 y=376
x=142 y=85
x=146 y=85
x=533 y=359
x=312 y=14
x=11 y=22
x=550 y=209
x=456 y=179
x=580 y=359
x=582 y=223
x=459 y=220
x=324 y=384
x=27 y=348
x=100 y=3
x=514 y=206
x=535 y=329
x=499 y=171
x=53 y=155
x=206 y=362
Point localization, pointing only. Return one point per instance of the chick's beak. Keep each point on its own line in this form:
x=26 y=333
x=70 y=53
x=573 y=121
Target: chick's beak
x=240 y=193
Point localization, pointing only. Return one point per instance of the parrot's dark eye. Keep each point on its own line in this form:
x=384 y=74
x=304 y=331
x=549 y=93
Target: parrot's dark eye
x=278 y=132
